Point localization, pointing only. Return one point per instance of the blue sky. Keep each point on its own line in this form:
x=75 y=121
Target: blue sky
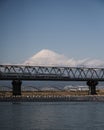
x=74 y=28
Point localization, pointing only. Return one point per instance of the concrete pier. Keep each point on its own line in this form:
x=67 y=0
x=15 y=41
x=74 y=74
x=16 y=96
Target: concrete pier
x=16 y=87
x=92 y=86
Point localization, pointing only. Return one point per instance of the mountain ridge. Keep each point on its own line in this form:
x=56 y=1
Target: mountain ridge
x=48 y=57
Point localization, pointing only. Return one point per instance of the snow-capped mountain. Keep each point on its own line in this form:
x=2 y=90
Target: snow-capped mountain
x=50 y=58
x=47 y=57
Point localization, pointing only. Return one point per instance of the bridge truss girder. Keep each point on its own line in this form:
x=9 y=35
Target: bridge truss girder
x=10 y=72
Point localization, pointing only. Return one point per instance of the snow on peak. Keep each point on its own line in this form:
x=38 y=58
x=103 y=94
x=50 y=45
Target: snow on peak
x=50 y=58
x=46 y=53
x=46 y=57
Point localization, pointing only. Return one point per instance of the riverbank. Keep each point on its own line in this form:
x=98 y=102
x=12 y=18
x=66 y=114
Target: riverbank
x=87 y=98
x=51 y=93
x=51 y=96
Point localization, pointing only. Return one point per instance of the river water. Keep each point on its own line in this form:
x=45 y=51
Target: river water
x=52 y=116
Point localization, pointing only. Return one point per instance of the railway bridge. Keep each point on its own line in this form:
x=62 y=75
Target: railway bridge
x=17 y=73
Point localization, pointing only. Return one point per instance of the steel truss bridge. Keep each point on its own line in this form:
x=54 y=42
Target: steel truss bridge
x=20 y=72
x=16 y=73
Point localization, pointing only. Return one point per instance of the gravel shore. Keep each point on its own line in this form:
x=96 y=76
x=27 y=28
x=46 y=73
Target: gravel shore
x=87 y=98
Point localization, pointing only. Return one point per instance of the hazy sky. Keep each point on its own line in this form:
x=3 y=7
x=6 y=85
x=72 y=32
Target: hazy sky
x=74 y=28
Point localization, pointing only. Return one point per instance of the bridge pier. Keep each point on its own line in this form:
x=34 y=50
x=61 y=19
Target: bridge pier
x=92 y=86
x=16 y=87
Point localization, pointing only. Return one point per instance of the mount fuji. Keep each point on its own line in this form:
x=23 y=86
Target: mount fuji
x=50 y=58
x=47 y=57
